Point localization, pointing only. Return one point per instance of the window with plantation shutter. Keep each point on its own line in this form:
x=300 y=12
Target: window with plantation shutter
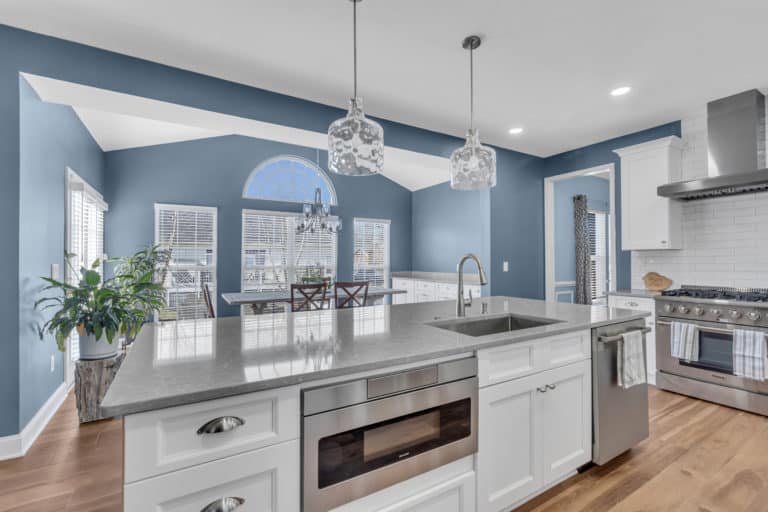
x=189 y=233
x=371 y=251
x=274 y=255
x=597 y=227
x=84 y=235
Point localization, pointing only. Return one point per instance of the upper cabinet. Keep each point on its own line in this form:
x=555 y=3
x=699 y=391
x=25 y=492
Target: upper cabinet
x=650 y=222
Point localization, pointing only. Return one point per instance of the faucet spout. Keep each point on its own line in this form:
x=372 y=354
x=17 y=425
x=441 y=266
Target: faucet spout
x=460 y=305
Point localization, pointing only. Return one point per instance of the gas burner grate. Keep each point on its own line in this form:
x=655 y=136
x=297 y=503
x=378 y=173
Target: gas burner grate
x=723 y=293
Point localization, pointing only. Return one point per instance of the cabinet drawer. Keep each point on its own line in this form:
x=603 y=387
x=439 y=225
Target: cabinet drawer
x=446 y=288
x=624 y=302
x=167 y=440
x=566 y=349
x=507 y=362
x=424 y=286
x=265 y=479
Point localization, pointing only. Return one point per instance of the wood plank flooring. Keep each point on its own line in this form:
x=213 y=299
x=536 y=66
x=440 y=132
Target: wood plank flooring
x=700 y=457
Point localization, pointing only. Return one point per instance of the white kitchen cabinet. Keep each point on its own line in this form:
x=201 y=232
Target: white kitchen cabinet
x=533 y=432
x=650 y=222
x=641 y=304
x=265 y=479
x=421 y=290
x=403 y=284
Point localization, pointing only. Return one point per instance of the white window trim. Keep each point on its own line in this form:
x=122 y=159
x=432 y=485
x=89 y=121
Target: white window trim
x=387 y=249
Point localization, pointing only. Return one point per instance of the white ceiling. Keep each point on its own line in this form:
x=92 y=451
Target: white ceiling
x=120 y=121
x=119 y=131
x=547 y=65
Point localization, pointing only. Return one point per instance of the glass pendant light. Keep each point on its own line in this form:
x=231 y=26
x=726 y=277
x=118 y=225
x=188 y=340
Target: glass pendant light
x=355 y=143
x=473 y=166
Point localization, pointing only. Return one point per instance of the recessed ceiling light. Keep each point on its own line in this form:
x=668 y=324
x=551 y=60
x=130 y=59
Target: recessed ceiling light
x=621 y=91
x=515 y=131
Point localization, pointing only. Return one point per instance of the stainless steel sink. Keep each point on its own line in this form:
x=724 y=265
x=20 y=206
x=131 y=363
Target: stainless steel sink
x=492 y=325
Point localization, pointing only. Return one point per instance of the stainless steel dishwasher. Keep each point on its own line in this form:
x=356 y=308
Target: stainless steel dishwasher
x=619 y=416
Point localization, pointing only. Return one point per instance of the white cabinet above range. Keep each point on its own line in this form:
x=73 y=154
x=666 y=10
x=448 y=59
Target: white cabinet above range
x=650 y=222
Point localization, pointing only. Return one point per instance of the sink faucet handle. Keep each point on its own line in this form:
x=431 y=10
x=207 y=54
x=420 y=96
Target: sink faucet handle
x=468 y=300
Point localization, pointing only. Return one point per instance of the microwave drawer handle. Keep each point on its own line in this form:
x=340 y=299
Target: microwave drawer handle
x=717 y=330
x=224 y=505
x=222 y=424
x=403 y=381
x=611 y=339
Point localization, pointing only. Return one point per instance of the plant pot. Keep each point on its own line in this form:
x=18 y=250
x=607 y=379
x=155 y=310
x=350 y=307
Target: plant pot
x=91 y=348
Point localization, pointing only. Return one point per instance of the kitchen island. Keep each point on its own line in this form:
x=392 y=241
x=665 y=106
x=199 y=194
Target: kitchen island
x=179 y=375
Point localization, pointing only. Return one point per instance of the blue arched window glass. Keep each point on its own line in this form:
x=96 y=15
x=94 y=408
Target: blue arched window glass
x=289 y=178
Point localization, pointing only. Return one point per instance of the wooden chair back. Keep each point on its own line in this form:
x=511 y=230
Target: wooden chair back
x=210 y=311
x=354 y=294
x=308 y=297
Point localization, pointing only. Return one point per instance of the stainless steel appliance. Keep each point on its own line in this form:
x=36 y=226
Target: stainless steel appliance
x=736 y=150
x=716 y=312
x=365 y=435
x=619 y=416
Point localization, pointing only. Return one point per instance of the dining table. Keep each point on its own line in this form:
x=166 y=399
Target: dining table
x=259 y=300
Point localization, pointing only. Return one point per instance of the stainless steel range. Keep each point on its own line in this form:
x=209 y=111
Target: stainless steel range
x=716 y=312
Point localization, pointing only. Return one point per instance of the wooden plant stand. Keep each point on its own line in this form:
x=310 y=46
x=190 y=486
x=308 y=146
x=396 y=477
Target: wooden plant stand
x=92 y=379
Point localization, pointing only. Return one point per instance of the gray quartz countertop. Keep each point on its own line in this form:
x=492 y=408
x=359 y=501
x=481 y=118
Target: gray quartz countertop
x=636 y=292
x=188 y=361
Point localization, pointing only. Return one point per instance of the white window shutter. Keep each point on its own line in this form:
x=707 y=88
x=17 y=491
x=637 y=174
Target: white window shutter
x=190 y=234
x=371 y=251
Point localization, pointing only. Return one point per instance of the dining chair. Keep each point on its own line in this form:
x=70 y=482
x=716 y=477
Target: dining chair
x=308 y=297
x=210 y=312
x=354 y=294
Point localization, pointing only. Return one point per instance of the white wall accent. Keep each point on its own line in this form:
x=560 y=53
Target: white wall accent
x=725 y=239
x=17 y=445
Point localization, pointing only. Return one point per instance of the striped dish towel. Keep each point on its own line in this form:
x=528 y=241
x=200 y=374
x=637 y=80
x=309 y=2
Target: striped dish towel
x=630 y=360
x=685 y=341
x=749 y=354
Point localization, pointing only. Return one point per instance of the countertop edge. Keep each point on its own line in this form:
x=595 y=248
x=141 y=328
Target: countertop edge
x=264 y=385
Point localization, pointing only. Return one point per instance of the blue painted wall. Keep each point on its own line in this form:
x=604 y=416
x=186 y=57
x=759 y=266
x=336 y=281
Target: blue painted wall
x=52 y=139
x=597 y=191
x=448 y=224
x=212 y=172
x=600 y=154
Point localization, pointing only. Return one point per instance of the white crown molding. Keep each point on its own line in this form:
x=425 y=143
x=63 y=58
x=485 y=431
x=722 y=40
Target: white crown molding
x=17 y=445
x=673 y=141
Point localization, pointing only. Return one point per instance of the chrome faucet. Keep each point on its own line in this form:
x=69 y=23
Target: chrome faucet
x=460 y=304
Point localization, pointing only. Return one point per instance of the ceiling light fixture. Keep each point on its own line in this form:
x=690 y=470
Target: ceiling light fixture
x=317 y=217
x=515 y=131
x=355 y=144
x=473 y=166
x=621 y=91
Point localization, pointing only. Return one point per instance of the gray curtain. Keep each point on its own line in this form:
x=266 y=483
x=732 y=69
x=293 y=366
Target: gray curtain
x=583 y=263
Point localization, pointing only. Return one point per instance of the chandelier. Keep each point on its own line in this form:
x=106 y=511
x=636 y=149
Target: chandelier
x=473 y=166
x=317 y=217
x=355 y=143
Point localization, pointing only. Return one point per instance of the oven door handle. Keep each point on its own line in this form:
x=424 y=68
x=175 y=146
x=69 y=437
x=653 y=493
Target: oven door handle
x=716 y=330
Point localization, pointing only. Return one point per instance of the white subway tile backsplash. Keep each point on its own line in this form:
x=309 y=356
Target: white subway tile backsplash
x=725 y=239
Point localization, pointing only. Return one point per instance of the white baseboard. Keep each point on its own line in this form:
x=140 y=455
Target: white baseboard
x=17 y=445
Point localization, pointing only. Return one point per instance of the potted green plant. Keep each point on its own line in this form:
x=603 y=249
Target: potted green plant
x=100 y=310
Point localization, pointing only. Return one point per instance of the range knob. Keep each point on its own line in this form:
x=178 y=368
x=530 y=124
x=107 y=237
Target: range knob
x=735 y=314
x=683 y=309
x=669 y=308
x=698 y=311
x=715 y=312
x=754 y=316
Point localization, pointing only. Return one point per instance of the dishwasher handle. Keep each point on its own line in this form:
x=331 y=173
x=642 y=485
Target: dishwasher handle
x=619 y=337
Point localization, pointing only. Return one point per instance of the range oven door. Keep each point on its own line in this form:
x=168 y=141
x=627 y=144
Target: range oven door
x=354 y=451
x=715 y=362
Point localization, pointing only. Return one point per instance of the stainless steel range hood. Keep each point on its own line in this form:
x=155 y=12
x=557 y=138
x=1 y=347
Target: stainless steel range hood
x=736 y=153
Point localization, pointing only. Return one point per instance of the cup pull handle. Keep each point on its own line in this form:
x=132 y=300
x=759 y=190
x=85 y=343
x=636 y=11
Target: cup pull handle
x=542 y=389
x=221 y=424
x=224 y=505
x=551 y=386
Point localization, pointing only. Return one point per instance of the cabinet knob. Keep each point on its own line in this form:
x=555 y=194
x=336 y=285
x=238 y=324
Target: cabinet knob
x=221 y=424
x=223 y=505
x=664 y=242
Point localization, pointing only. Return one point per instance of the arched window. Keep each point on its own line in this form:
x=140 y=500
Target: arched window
x=290 y=179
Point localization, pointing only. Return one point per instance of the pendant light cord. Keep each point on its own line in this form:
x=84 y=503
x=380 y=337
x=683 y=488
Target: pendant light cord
x=471 y=89
x=354 y=44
